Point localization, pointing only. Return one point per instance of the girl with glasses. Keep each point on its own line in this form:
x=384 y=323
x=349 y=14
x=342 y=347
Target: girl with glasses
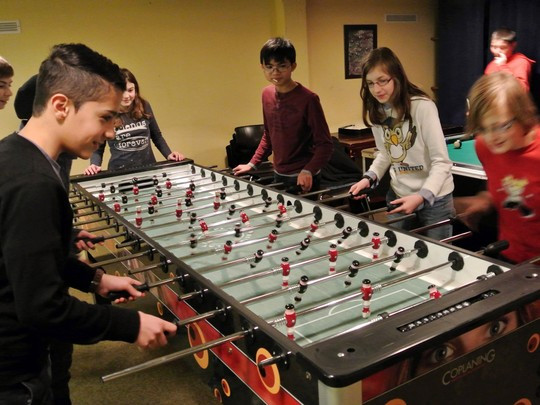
x=408 y=134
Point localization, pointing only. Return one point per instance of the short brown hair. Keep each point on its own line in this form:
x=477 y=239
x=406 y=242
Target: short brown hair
x=501 y=87
x=504 y=34
x=6 y=70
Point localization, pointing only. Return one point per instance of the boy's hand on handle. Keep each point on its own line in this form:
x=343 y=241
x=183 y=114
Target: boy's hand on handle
x=175 y=156
x=115 y=283
x=91 y=170
x=357 y=188
x=86 y=240
x=153 y=331
x=241 y=169
x=305 y=181
x=407 y=205
x=471 y=209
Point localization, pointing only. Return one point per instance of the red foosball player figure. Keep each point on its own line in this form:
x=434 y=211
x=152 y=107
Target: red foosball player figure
x=179 y=210
x=376 y=245
x=168 y=184
x=101 y=196
x=189 y=193
x=153 y=199
x=285 y=271
x=303 y=285
x=303 y=245
x=282 y=209
x=117 y=207
x=244 y=217
x=217 y=202
x=367 y=293
x=138 y=217
x=258 y=255
x=204 y=226
x=272 y=237
x=314 y=226
x=353 y=271
x=290 y=320
x=135 y=189
x=434 y=293
x=333 y=253
x=227 y=248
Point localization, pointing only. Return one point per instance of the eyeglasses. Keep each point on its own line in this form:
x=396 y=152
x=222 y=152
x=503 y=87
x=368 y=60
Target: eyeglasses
x=497 y=129
x=282 y=67
x=380 y=83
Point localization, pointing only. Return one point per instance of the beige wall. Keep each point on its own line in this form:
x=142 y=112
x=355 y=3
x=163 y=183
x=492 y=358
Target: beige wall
x=410 y=41
x=197 y=60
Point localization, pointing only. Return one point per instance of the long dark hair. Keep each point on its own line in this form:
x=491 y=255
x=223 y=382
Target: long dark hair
x=136 y=110
x=387 y=60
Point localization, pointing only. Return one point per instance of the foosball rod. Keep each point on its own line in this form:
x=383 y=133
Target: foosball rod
x=390 y=237
x=131 y=177
x=366 y=266
x=231 y=211
x=233 y=232
x=122 y=258
x=178 y=355
x=492 y=271
x=251 y=241
x=249 y=259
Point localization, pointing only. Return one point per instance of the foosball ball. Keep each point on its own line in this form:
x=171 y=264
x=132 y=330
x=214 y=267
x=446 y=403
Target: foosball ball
x=289 y=301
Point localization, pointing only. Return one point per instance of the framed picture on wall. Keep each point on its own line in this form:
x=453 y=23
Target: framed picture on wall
x=359 y=41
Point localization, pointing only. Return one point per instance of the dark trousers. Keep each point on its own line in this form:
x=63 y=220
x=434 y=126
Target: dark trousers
x=61 y=356
x=290 y=183
x=35 y=391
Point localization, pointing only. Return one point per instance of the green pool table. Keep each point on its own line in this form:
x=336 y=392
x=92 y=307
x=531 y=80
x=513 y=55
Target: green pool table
x=464 y=160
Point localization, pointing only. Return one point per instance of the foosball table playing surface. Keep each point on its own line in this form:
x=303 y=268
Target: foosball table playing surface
x=288 y=301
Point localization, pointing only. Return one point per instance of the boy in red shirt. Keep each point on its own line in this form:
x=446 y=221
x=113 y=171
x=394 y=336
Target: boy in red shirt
x=295 y=128
x=503 y=116
x=503 y=44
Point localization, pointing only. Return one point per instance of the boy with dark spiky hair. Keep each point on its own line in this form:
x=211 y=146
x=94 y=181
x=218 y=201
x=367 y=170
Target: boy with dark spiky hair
x=78 y=95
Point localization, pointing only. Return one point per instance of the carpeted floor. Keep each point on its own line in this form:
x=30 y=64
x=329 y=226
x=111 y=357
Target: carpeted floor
x=178 y=382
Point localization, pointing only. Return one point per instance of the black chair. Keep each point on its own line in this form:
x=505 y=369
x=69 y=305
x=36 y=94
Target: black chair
x=243 y=144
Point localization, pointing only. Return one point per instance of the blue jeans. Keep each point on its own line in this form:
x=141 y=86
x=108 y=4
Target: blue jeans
x=35 y=391
x=443 y=208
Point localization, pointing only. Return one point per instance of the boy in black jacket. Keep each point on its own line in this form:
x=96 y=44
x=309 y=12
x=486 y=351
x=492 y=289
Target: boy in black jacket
x=77 y=98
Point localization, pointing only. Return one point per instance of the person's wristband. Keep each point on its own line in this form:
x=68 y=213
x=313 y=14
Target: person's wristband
x=371 y=181
x=98 y=275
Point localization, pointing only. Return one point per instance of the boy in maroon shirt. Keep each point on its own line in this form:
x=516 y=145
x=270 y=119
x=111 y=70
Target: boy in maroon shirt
x=295 y=128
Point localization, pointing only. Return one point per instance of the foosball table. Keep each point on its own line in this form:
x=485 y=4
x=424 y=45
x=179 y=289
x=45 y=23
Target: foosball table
x=289 y=301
